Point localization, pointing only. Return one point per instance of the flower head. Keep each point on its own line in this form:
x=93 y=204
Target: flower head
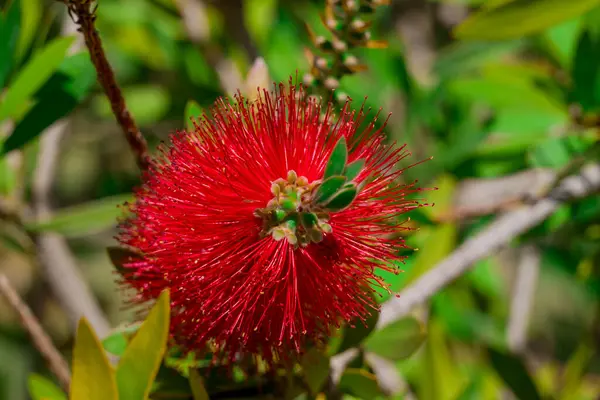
x=267 y=223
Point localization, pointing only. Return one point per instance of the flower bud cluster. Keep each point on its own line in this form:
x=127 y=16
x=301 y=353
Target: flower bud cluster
x=344 y=19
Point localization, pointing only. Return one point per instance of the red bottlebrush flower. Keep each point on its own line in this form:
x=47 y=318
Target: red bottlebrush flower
x=258 y=254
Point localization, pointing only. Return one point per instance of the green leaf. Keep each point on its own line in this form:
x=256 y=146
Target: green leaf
x=31 y=14
x=117 y=340
x=196 y=383
x=9 y=32
x=355 y=335
x=120 y=256
x=147 y=103
x=64 y=91
x=93 y=377
x=8 y=178
x=342 y=199
x=140 y=363
x=337 y=160
x=514 y=373
x=33 y=76
x=360 y=383
x=585 y=72
x=397 y=340
x=329 y=187
x=41 y=388
x=517 y=18
x=192 y=111
x=315 y=368
x=353 y=169
x=446 y=381
x=115 y=343
x=83 y=219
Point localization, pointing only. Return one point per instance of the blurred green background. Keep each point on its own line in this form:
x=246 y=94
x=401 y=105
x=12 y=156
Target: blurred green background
x=517 y=97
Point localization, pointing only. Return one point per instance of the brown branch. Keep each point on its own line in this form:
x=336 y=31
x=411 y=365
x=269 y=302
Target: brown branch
x=83 y=14
x=41 y=341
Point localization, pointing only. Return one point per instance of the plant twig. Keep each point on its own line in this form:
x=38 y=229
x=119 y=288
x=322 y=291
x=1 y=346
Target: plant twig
x=522 y=298
x=83 y=14
x=499 y=233
x=41 y=341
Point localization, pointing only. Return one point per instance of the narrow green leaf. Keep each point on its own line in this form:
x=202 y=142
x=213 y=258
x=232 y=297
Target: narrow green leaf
x=315 y=369
x=93 y=377
x=354 y=336
x=41 y=388
x=83 y=219
x=360 y=383
x=337 y=160
x=64 y=91
x=8 y=178
x=33 y=75
x=517 y=18
x=329 y=187
x=585 y=72
x=140 y=363
x=196 y=383
x=514 y=373
x=9 y=32
x=342 y=199
x=397 y=340
x=192 y=110
x=31 y=14
x=120 y=256
x=353 y=169
x=446 y=381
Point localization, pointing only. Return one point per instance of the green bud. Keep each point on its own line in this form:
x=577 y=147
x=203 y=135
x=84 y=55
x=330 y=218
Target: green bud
x=292 y=224
x=288 y=205
x=280 y=214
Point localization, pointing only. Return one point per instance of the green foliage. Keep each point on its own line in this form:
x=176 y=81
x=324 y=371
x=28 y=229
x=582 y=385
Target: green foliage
x=337 y=161
x=9 y=32
x=315 y=367
x=515 y=374
x=354 y=335
x=192 y=110
x=41 y=388
x=397 y=340
x=61 y=93
x=84 y=218
x=33 y=76
x=516 y=18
